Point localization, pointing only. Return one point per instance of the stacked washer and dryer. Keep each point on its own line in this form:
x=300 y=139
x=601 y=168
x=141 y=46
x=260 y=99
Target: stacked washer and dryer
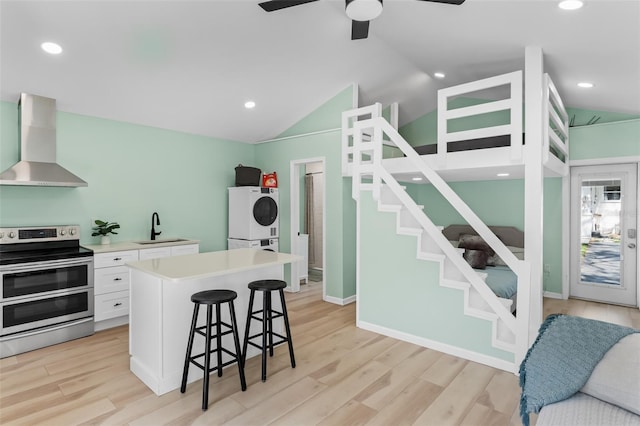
x=253 y=218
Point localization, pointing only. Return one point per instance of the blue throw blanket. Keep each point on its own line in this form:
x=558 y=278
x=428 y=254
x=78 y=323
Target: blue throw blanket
x=562 y=358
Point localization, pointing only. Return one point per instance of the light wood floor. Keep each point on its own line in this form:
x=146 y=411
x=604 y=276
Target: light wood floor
x=344 y=376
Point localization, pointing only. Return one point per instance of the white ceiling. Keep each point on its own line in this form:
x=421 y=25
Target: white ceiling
x=190 y=66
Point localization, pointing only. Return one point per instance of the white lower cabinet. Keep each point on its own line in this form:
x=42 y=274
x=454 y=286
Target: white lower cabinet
x=111 y=281
x=185 y=249
x=111 y=305
x=158 y=252
x=155 y=253
x=111 y=288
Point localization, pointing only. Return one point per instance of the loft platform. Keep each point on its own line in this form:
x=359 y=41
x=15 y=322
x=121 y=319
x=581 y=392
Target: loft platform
x=477 y=153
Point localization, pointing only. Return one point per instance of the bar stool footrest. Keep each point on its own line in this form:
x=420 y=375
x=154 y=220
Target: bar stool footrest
x=259 y=318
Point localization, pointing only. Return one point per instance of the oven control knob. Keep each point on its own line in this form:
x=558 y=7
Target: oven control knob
x=72 y=231
x=12 y=234
x=1 y=234
x=63 y=232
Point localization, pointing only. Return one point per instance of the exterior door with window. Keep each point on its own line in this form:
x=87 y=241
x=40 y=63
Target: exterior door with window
x=604 y=233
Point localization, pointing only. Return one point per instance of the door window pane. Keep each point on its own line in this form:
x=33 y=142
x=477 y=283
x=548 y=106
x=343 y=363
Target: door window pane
x=600 y=232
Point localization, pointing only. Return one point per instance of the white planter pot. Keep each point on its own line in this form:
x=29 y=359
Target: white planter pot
x=105 y=240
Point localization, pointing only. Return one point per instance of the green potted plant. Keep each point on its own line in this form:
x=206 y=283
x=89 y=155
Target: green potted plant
x=103 y=229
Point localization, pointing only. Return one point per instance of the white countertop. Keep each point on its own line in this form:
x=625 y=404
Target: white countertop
x=211 y=264
x=133 y=245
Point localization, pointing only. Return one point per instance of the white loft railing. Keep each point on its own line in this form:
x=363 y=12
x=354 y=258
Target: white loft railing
x=368 y=164
x=349 y=118
x=513 y=104
x=555 y=137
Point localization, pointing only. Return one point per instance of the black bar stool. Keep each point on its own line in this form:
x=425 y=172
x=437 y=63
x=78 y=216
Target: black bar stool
x=209 y=298
x=267 y=317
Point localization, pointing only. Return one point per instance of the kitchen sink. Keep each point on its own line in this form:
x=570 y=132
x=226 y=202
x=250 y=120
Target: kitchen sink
x=166 y=240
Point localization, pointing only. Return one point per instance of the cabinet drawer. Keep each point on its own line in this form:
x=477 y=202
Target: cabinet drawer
x=185 y=249
x=111 y=305
x=114 y=258
x=108 y=280
x=155 y=253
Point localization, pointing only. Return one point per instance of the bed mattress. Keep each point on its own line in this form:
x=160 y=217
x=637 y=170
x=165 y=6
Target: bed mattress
x=502 y=280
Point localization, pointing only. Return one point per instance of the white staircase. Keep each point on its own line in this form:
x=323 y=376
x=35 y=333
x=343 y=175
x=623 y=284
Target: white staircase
x=363 y=158
x=450 y=275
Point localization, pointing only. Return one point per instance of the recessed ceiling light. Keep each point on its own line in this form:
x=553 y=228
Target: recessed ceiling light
x=438 y=74
x=570 y=4
x=502 y=174
x=249 y=104
x=417 y=179
x=585 y=85
x=52 y=48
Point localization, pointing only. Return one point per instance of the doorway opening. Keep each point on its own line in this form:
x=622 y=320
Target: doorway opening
x=308 y=224
x=603 y=233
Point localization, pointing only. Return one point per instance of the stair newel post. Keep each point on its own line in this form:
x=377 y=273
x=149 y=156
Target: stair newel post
x=377 y=157
x=357 y=157
x=522 y=308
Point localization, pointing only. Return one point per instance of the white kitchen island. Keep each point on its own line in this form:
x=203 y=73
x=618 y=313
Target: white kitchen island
x=161 y=308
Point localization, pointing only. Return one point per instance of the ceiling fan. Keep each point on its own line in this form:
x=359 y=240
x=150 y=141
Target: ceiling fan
x=360 y=11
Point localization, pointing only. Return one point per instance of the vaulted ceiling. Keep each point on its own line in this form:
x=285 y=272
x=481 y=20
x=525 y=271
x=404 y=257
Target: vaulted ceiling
x=191 y=65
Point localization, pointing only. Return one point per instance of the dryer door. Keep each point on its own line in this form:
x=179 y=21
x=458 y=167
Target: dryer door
x=265 y=211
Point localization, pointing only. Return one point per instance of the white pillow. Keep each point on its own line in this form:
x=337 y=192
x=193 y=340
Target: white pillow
x=616 y=379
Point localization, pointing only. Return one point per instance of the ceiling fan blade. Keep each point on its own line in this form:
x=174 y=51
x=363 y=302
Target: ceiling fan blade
x=456 y=2
x=359 y=30
x=270 y=6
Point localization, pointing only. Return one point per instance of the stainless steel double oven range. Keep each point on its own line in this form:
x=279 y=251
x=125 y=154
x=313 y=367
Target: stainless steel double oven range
x=47 y=287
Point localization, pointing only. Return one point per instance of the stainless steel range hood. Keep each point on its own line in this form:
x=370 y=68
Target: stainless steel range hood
x=37 y=165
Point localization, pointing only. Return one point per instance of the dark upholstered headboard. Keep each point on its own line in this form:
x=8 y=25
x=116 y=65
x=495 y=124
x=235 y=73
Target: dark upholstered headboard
x=509 y=235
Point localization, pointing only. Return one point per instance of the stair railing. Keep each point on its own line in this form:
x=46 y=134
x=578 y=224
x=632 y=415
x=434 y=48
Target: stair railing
x=374 y=170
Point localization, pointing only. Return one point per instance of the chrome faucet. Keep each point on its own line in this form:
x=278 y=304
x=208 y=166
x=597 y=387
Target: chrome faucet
x=157 y=222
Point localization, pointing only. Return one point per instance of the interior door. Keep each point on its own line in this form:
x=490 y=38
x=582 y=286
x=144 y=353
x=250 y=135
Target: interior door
x=603 y=233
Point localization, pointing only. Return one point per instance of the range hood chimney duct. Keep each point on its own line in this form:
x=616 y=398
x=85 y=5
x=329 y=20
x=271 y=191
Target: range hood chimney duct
x=37 y=165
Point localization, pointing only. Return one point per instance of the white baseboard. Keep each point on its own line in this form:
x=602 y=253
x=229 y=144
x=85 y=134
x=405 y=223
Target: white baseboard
x=552 y=295
x=442 y=347
x=339 y=301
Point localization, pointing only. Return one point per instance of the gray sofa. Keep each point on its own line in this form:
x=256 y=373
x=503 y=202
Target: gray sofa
x=582 y=372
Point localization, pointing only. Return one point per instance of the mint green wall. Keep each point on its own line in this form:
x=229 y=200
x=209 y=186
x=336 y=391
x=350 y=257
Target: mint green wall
x=132 y=171
x=621 y=139
x=407 y=296
x=340 y=208
x=324 y=117
x=581 y=116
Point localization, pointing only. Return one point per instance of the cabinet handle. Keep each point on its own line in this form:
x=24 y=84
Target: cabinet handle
x=115 y=305
x=117 y=279
x=115 y=259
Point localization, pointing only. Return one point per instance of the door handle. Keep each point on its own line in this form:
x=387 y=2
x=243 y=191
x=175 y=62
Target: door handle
x=631 y=245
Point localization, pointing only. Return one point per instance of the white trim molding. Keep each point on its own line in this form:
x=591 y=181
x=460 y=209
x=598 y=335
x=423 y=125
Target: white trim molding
x=338 y=301
x=553 y=295
x=441 y=347
x=603 y=161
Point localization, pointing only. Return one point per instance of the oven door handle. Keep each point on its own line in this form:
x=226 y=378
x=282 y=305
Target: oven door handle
x=45 y=329
x=34 y=266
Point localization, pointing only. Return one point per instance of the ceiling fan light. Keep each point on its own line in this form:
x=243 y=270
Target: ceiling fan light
x=363 y=10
